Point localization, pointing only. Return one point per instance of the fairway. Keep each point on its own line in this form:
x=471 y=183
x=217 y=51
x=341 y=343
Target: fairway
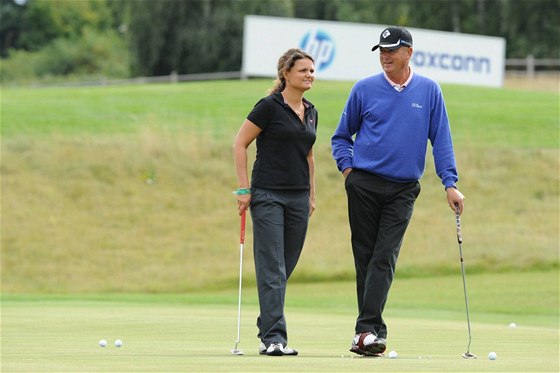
x=195 y=332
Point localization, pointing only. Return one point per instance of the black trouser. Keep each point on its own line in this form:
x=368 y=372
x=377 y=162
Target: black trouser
x=280 y=219
x=379 y=211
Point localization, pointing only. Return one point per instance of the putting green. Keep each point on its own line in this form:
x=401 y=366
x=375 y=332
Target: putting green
x=178 y=333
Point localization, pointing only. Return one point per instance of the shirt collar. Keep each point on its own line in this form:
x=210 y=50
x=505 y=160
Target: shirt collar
x=278 y=97
x=399 y=87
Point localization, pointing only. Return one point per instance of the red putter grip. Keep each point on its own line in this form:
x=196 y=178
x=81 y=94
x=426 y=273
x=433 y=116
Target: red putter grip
x=242 y=234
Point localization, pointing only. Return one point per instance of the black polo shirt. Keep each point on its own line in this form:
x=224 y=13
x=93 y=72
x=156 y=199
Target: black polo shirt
x=283 y=144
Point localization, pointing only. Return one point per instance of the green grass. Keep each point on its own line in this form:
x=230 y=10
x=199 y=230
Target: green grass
x=502 y=118
x=479 y=116
x=195 y=331
x=128 y=188
x=118 y=222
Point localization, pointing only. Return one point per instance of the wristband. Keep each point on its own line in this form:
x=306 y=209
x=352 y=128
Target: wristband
x=242 y=191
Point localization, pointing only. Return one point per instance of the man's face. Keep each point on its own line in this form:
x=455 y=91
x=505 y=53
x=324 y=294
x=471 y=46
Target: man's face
x=396 y=61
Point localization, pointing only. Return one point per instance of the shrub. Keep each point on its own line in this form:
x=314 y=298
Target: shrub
x=94 y=55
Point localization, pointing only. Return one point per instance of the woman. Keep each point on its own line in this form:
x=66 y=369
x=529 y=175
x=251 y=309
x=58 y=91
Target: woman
x=281 y=193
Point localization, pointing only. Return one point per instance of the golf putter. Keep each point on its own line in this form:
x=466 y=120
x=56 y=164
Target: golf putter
x=468 y=354
x=235 y=350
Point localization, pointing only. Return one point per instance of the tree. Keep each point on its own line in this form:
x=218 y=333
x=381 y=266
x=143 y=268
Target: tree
x=52 y=38
x=529 y=26
x=192 y=36
x=11 y=16
x=36 y=23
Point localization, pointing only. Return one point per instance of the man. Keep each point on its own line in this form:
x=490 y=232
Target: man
x=380 y=148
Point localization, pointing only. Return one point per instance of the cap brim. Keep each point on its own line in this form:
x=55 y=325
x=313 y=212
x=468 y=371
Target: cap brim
x=391 y=47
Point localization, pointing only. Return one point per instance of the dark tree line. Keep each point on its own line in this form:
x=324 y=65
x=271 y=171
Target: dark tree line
x=192 y=36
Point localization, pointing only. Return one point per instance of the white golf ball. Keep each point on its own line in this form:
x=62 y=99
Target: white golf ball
x=492 y=356
x=118 y=343
x=512 y=325
x=102 y=343
x=393 y=355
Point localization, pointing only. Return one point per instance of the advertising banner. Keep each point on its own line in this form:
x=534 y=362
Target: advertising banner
x=342 y=51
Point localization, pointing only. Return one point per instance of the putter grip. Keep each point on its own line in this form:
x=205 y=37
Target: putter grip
x=459 y=235
x=242 y=234
x=458 y=221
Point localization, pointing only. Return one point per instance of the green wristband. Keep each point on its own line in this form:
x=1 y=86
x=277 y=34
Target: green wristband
x=242 y=191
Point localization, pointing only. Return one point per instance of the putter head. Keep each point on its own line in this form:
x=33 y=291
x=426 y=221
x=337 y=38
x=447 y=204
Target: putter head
x=235 y=351
x=468 y=355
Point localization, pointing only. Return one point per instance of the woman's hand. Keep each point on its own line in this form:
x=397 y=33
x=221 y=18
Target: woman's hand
x=311 y=205
x=243 y=202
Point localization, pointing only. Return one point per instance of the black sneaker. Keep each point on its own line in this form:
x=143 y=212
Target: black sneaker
x=290 y=351
x=379 y=345
x=367 y=344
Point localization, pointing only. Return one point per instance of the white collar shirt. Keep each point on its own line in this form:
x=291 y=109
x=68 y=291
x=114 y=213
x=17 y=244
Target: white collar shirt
x=399 y=87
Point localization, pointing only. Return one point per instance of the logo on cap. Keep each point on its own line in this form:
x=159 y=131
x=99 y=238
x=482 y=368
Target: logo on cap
x=385 y=34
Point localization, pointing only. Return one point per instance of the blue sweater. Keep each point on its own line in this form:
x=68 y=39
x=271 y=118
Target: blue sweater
x=386 y=132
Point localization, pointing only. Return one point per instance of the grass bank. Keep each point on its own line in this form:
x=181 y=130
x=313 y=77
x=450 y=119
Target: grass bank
x=128 y=188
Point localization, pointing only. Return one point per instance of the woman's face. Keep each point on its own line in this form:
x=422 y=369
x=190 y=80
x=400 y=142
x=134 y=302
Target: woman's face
x=301 y=75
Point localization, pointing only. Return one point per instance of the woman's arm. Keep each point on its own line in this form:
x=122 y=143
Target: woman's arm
x=246 y=135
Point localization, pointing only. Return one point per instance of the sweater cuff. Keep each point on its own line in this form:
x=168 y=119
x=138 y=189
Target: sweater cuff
x=344 y=165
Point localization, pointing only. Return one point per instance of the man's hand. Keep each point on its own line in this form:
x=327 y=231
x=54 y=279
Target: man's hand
x=346 y=172
x=455 y=197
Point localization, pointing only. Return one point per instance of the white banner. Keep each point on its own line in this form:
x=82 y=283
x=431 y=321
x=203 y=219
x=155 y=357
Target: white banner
x=342 y=51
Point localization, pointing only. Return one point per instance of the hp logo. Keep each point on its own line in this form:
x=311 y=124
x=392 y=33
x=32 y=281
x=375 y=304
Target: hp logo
x=320 y=45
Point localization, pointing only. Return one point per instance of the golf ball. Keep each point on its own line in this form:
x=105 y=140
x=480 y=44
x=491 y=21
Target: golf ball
x=393 y=355
x=492 y=356
x=512 y=325
x=118 y=343
x=102 y=343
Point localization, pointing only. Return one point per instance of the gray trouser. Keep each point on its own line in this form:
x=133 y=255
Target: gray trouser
x=379 y=211
x=280 y=219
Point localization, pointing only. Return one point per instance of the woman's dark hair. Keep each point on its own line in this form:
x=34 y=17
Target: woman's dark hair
x=285 y=64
